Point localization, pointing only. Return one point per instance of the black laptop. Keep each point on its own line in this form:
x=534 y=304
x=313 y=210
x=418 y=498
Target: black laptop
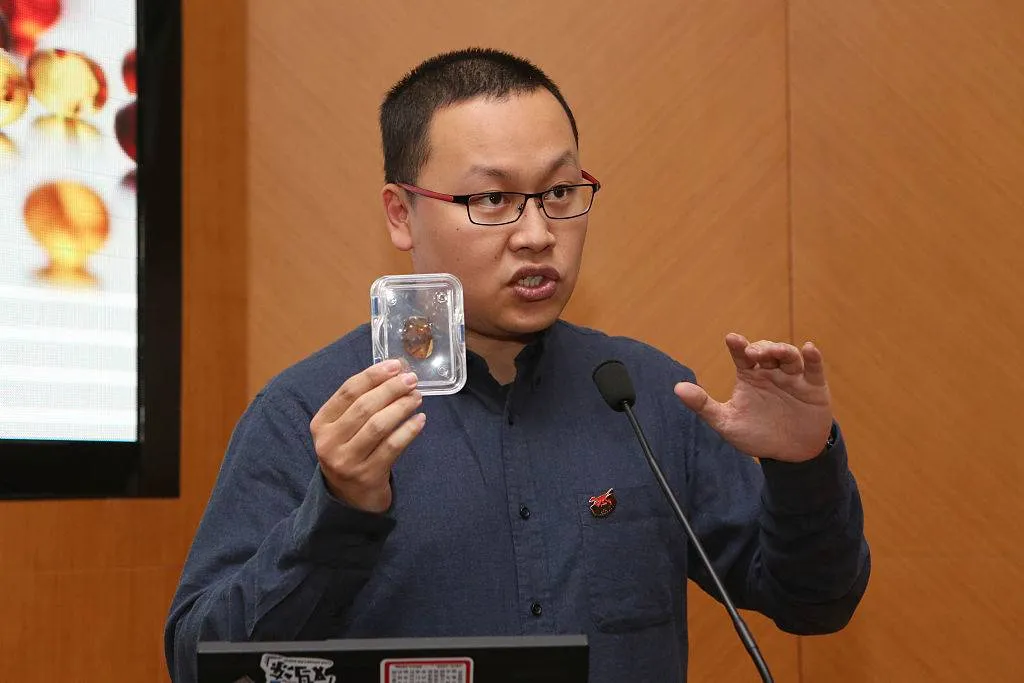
x=520 y=659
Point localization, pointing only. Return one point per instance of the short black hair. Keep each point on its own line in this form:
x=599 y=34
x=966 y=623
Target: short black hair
x=444 y=80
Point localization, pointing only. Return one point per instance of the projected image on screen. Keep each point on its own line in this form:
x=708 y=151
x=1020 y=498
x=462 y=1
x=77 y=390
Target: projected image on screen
x=68 y=220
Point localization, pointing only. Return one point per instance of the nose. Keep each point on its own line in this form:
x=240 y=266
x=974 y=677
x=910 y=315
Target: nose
x=533 y=229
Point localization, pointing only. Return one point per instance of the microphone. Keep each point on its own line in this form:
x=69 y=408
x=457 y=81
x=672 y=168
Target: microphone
x=612 y=380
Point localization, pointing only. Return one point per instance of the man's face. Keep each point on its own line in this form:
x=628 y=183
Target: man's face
x=523 y=143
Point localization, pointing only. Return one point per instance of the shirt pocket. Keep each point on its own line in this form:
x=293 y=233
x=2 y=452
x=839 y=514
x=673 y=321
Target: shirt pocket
x=627 y=567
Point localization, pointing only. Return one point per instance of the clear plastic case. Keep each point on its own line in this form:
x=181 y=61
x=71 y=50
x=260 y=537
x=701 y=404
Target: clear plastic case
x=420 y=319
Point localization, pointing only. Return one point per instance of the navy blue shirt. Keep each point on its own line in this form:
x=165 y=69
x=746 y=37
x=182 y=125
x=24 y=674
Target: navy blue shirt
x=490 y=531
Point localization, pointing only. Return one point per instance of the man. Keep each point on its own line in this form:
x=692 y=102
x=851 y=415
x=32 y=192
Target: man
x=349 y=506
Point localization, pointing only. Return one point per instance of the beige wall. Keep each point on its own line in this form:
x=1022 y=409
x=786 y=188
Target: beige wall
x=908 y=209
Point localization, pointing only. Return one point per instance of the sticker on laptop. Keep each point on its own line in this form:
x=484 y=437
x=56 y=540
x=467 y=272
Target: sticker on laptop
x=427 y=670
x=296 y=669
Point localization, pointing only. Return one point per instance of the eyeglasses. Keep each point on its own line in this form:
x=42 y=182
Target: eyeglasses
x=501 y=208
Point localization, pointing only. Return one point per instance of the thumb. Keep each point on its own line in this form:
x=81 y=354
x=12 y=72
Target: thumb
x=696 y=399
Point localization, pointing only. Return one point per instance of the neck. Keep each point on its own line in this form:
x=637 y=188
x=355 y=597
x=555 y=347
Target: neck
x=500 y=354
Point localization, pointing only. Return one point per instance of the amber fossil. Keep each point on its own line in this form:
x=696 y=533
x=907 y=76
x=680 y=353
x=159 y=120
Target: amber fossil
x=417 y=337
x=71 y=223
x=8 y=150
x=69 y=84
x=26 y=21
x=14 y=91
x=129 y=71
x=5 y=33
x=70 y=130
x=125 y=126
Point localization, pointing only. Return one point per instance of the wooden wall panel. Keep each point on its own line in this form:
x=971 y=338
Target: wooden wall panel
x=907 y=136
x=682 y=114
x=91 y=626
x=86 y=584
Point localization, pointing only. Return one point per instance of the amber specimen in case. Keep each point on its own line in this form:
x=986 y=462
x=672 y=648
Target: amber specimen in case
x=27 y=20
x=71 y=223
x=417 y=337
x=125 y=126
x=69 y=84
x=14 y=91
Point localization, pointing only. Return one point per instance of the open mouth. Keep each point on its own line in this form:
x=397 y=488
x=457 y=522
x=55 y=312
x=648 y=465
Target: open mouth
x=536 y=286
x=531 y=281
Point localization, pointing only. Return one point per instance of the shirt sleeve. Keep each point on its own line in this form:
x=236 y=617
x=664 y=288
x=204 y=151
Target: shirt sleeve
x=276 y=557
x=787 y=539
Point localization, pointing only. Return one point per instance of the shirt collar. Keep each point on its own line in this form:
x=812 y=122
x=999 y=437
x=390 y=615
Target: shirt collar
x=529 y=368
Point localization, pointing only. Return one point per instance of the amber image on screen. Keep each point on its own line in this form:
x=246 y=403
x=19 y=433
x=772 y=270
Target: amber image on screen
x=14 y=91
x=69 y=220
x=26 y=21
x=71 y=223
x=69 y=84
x=54 y=86
x=125 y=128
x=129 y=73
x=5 y=34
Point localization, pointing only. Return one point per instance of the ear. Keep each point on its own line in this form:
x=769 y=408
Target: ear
x=397 y=212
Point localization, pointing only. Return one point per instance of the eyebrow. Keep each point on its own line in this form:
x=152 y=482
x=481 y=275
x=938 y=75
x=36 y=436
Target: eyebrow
x=565 y=158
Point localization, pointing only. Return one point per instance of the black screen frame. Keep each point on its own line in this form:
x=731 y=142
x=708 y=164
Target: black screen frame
x=150 y=466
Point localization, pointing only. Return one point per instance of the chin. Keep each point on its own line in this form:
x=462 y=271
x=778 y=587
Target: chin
x=500 y=318
x=529 y=322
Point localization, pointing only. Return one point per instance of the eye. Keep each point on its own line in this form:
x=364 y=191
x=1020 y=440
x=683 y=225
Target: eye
x=490 y=200
x=559 y=193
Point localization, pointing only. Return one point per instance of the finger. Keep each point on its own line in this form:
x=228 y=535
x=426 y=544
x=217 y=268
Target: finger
x=760 y=353
x=388 y=451
x=771 y=355
x=814 y=364
x=790 y=360
x=372 y=402
x=380 y=426
x=353 y=388
x=737 y=345
x=697 y=399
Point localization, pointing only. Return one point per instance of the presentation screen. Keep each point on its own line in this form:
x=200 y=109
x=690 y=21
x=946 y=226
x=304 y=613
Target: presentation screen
x=87 y=197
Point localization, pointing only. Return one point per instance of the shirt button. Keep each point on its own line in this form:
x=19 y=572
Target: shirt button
x=536 y=610
x=524 y=512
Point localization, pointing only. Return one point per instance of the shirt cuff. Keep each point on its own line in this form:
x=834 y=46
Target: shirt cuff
x=811 y=486
x=331 y=532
